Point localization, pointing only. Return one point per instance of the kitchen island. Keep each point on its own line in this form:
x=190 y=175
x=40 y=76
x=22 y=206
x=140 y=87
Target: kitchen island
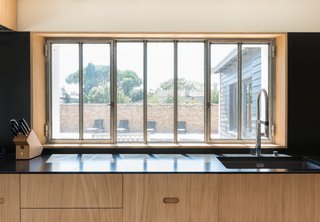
x=152 y=188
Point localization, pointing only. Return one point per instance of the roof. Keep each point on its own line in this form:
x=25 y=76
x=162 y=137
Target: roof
x=229 y=60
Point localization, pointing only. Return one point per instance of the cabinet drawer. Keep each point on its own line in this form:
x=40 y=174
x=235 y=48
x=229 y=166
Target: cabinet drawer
x=9 y=198
x=71 y=191
x=71 y=215
x=170 y=198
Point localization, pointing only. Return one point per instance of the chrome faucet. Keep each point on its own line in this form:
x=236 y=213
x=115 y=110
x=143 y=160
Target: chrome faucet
x=259 y=122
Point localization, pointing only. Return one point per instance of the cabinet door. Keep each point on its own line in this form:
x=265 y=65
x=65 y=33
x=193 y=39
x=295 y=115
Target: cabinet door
x=8 y=14
x=301 y=197
x=71 y=215
x=170 y=198
x=9 y=198
x=71 y=191
x=250 y=198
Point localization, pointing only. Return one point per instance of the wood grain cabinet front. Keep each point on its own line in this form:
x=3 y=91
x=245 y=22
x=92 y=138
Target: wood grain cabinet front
x=71 y=215
x=8 y=13
x=9 y=198
x=71 y=191
x=170 y=198
x=301 y=197
x=269 y=198
x=250 y=198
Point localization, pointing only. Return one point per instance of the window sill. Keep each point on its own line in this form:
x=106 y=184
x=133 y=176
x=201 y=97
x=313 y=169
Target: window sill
x=163 y=145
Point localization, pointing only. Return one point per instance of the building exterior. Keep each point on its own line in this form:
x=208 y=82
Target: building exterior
x=227 y=69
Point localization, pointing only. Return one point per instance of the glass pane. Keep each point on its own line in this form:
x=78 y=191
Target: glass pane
x=65 y=91
x=224 y=86
x=190 y=92
x=130 y=92
x=96 y=91
x=160 y=91
x=255 y=63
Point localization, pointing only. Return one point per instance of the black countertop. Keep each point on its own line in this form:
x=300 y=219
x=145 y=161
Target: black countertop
x=129 y=163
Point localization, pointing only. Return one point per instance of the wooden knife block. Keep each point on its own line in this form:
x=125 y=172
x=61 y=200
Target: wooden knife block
x=27 y=147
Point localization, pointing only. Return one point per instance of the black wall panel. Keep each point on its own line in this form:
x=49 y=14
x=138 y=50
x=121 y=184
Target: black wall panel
x=304 y=93
x=14 y=83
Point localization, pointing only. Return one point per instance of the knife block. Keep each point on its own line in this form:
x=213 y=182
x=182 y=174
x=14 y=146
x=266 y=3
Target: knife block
x=27 y=147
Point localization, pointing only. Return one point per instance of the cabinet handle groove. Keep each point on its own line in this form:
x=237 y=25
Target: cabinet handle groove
x=171 y=200
x=1 y=200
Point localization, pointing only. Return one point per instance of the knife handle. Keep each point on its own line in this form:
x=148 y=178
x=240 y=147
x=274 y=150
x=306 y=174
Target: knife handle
x=14 y=122
x=15 y=133
x=15 y=128
x=25 y=124
x=23 y=129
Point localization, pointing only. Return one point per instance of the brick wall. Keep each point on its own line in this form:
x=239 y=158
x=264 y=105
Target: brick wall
x=162 y=114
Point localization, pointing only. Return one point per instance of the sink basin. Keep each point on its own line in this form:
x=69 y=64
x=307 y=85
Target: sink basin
x=289 y=163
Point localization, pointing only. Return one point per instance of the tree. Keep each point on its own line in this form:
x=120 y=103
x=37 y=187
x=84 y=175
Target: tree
x=127 y=82
x=93 y=75
x=186 y=87
x=65 y=95
x=122 y=98
x=96 y=84
x=215 y=96
x=98 y=94
x=136 y=94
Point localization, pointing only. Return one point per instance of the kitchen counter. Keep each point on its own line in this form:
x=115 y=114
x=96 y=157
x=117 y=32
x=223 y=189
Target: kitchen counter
x=128 y=163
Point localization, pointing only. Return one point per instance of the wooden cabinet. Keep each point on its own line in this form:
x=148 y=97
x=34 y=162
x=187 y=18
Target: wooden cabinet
x=8 y=13
x=9 y=198
x=301 y=197
x=71 y=191
x=250 y=198
x=160 y=197
x=269 y=198
x=170 y=198
x=71 y=215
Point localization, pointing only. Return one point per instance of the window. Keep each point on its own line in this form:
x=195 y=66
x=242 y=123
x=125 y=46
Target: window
x=154 y=91
x=238 y=72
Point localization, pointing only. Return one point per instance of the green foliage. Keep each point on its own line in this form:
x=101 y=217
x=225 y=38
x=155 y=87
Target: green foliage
x=65 y=96
x=153 y=98
x=96 y=88
x=136 y=95
x=127 y=81
x=185 y=87
x=98 y=94
x=93 y=76
x=215 y=96
x=122 y=98
x=96 y=81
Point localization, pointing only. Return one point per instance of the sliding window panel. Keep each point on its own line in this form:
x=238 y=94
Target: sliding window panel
x=224 y=91
x=255 y=76
x=130 y=91
x=96 y=91
x=64 y=91
x=190 y=125
x=160 y=91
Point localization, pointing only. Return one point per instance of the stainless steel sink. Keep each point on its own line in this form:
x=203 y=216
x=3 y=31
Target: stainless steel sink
x=252 y=162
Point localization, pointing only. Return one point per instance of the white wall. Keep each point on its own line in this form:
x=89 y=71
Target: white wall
x=169 y=15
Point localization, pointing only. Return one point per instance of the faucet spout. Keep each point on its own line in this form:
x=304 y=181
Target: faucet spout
x=259 y=121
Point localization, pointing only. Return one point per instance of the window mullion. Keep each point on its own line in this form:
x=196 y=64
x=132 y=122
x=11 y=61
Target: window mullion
x=239 y=111
x=145 y=95
x=175 y=93
x=113 y=92
x=207 y=94
x=81 y=91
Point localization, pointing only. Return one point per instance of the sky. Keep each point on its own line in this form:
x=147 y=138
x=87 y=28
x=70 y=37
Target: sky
x=130 y=57
x=160 y=60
